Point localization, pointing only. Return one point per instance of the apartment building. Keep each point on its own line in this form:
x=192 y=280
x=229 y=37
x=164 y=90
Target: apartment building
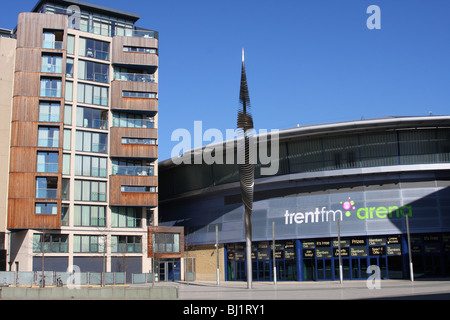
x=83 y=148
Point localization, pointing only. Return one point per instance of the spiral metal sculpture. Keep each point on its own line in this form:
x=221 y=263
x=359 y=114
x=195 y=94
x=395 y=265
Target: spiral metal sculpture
x=246 y=169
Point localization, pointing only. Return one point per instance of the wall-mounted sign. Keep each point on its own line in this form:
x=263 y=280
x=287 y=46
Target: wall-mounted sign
x=358 y=251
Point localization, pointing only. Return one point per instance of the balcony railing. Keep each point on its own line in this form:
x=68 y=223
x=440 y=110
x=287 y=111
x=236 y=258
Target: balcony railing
x=46 y=193
x=51 y=93
x=95 y=124
x=133 y=123
x=59 y=45
x=132 y=170
x=136 y=77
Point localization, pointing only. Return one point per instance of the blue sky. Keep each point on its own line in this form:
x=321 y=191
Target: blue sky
x=307 y=61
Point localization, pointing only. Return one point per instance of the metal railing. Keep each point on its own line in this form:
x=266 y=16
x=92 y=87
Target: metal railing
x=136 y=77
x=132 y=170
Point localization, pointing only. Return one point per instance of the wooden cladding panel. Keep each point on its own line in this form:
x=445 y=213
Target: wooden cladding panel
x=25 y=133
x=27 y=84
x=30 y=26
x=160 y=229
x=28 y=60
x=134 y=58
x=25 y=108
x=118 y=149
x=117 y=197
x=21 y=215
x=119 y=102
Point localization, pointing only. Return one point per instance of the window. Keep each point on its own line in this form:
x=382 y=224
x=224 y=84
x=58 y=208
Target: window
x=49 y=112
x=91 y=141
x=89 y=166
x=126 y=217
x=70 y=44
x=46 y=187
x=67 y=139
x=93 y=71
x=51 y=87
x=166 y=242
x=47 y=161
x=68 y=96
x=89 y=216
x=139 y=49
x=48 y=137
x=64 y=214
x=86 y=243
x=139 y=141
x=94 y=49
x=51 y=63
x=91 y=94
x=92 y=118
x=65 y=189
x=46 y=208
x=53 y=40
x=126 y=244
x=66 y=164
x=69 y=67
x=131 y=168
x=132 y=120
x=68 y=114
x=52 y=243
x=86 y=190
x=137 y=189
x=138 y=94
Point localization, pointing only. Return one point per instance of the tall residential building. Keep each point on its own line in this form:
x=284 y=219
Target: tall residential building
x=83 y=152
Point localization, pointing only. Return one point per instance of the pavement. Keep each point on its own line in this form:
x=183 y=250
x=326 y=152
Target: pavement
x=320 y=290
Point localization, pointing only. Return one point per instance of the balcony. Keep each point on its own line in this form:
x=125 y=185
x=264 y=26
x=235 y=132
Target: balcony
x=120 y=56
x=137 y=143
x=147 y=197
x=119 y=102
x=135 y=77
x=58 y=45
x=132 y=170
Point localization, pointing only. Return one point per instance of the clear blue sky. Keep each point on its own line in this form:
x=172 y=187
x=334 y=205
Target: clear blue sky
x=307 y=61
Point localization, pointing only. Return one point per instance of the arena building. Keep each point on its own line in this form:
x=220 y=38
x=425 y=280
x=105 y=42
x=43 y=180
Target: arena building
x=369 y=178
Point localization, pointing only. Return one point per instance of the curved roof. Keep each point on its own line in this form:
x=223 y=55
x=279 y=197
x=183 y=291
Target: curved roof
x=346 y=127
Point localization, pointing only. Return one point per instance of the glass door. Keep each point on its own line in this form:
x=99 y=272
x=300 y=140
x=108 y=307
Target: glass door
x=324 y=269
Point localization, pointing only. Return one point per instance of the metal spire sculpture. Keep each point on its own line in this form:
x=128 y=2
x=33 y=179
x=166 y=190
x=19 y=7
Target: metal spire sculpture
x=246 y=169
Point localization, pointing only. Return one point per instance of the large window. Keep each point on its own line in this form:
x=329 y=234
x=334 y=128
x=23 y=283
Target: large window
x=47 y=161
x=137 y=189
x=148 y=141
x=94 y=49
x=89 y=166
x=46 y=187
x=91 y=141
x=139 y=49
x=138 y=94
x=49 y=111
x=48 y=137
x=46 y=208
x=126 y=217
x=126 y=244
x=51 y=87
x=54 y=243
x=93 y=71
x=86 y=190
x=91 y=94
x=88 y=243
x=51 y=63
x=166 y=242
x=132 y=120
x=89 y=216
x=92 y=118
x=131 y=168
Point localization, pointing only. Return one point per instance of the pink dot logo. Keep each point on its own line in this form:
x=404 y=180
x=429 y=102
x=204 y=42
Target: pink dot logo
x=347 y=205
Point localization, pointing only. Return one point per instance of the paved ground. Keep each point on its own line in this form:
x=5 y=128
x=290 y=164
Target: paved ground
x=349 y=290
